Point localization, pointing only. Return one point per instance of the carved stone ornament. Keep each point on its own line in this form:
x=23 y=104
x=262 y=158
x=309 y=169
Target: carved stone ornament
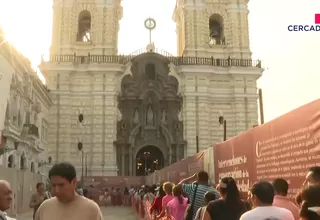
x=136 y=116
x=150 y=116
x=164 y=116
x=143 y=103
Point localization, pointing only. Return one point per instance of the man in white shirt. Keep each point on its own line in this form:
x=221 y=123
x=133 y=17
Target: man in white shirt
x=5 y=199
x=262 y=194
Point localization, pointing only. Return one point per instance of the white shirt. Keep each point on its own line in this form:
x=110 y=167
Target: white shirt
x=200 y=213
x=136 y=196
x=5 y=216
x=267 y=212
x=131 y=191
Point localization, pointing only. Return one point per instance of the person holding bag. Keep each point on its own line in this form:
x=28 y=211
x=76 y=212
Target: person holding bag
x=190 y=208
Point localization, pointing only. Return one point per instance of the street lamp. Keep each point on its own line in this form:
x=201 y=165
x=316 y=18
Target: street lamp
x=223 y=122
x=80 y=148
x=146 y=154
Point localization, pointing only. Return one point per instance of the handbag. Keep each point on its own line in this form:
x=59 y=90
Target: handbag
x=189 y=212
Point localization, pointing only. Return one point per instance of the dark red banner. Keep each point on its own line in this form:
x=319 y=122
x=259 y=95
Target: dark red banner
x=181 y=169
x=285 y=147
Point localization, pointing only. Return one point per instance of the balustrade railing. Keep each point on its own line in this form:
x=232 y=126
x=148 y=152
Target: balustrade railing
x=32 y=129
x=178 y=61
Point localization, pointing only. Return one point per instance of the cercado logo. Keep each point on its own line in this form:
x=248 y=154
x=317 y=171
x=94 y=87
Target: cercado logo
x=312 y=27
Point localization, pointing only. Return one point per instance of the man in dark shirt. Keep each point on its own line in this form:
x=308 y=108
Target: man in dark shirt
x=37 y=198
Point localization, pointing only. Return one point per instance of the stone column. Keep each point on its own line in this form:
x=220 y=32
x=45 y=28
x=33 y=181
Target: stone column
x=134 y=165
x=203 y=123
x=130 y=160
x=118 y=156
x=177 y=152
x=190 y=130
x=122 y=160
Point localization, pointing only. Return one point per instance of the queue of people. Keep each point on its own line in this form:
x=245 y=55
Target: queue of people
x=115 y=197
x=194 y=199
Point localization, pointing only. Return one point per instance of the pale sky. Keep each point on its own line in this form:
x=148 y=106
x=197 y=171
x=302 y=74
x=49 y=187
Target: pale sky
x=292 y=75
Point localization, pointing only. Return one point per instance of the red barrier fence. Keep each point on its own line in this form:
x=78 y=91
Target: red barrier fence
x=285 y=147
x=179 y=170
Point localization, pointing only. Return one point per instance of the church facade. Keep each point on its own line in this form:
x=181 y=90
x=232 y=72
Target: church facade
x=130 y=115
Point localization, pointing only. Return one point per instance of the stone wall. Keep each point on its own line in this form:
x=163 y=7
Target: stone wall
x=23 y=185
x=94 y=96
x=208 y=94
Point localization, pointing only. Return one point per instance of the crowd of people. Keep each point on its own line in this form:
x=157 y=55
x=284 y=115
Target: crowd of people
x=115 y=197
x=194 y=198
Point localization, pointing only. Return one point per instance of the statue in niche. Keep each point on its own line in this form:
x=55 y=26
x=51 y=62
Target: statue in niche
x=136 y=116
x=180 y=116
x=150 y=116
x=164 y=115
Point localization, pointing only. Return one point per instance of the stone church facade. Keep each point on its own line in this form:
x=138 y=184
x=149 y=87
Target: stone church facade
x=118 y=115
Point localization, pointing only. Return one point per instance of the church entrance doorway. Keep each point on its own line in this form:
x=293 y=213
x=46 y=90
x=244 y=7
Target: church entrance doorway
x=148 y=160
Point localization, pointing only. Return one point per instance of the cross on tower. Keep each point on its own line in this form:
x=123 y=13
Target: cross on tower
x=150 y=24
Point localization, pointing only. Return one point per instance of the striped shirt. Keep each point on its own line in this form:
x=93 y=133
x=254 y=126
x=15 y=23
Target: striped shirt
x=199 y=198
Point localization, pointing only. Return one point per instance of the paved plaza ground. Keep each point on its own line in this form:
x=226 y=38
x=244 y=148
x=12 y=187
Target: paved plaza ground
x=110 y=213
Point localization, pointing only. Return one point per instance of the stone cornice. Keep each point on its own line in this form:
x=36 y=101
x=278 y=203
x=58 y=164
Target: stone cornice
x=208 y=70
x=69 y=67
x=222 y=96
x=84 y=93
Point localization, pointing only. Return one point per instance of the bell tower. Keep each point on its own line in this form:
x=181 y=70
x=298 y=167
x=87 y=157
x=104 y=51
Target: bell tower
x=85 y=26
x=212 y=28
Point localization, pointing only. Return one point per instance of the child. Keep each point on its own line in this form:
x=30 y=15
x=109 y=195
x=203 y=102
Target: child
x=208 y=197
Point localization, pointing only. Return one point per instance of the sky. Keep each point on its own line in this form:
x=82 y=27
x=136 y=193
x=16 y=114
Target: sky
x=292 y=68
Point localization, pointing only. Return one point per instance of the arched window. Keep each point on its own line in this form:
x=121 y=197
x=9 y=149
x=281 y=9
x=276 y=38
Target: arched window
x=32 y=168
x=150 y=71
x=23 y=161
x=216 y=29
x=10 y=161
x=84 y=26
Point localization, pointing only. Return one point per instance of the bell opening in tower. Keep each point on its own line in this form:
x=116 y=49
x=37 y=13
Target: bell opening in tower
x=84 y=26
x=216 y=30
